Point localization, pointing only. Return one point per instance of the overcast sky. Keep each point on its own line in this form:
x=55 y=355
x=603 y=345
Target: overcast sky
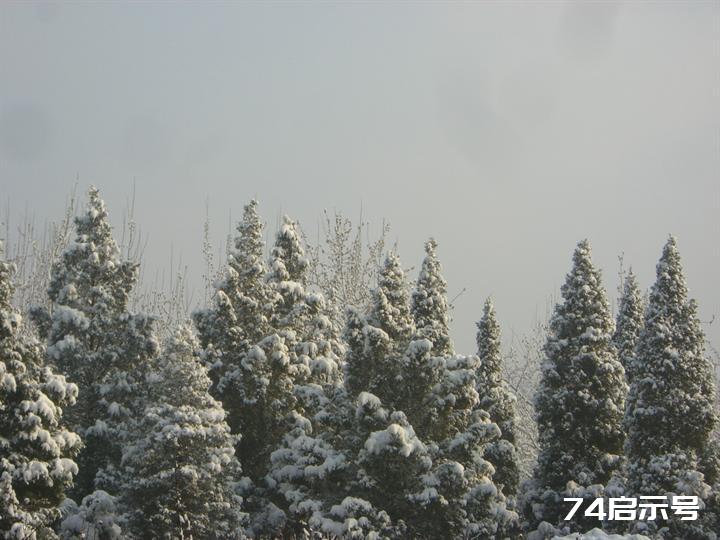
x=507 y=131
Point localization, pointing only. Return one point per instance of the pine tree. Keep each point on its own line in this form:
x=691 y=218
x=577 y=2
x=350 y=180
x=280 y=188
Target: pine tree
x=36 y=450
x=629 y=323
x=287 y=273
x=430 y=305
x=390 y=311
x=251 y=352
x=376 y=343
x=181 y=464
x=499 y=402
x=428 y=473
x=670 y=413
x=459 y=497
x=241 y=315
x=580 y=399
x=96 y=342
x=308 y=472
x=250 y=364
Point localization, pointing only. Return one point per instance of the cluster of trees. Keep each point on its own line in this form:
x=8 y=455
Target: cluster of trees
x=280 y=413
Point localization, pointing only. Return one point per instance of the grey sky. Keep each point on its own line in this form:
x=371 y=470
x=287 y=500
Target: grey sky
x=507 y=131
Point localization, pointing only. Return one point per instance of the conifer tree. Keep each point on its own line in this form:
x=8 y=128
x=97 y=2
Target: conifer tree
x=241 y=315
x=629 y=323
x=670 y=413
x=181 y=464
x=441 y=487
x=251 y=353
x=36 y=450
x=580 y=399
x=499 y=402
x=430 y=305
x=308 y=470
x=250 y=364
x=96 y=342
x=287 y=273
x=390 y=311
x=376 y=343
x=459 y=497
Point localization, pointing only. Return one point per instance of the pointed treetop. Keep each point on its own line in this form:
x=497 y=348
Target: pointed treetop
x=585 y=301
x=246 y=258
x=391 y=302
x=488 y=342
x=629 y=322
x=94 y=225
x=288 y=261
x=92 y=263
x=429 y=303
x=670 y=278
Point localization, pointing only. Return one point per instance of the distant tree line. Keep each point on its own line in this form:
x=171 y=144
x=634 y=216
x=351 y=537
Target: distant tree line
x=319 y=395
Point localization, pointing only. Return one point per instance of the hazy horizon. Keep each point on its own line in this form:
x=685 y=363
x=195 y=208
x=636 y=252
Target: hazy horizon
x=508 y=132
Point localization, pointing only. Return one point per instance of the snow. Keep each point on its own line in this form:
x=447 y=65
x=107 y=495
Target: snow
x=397 y=437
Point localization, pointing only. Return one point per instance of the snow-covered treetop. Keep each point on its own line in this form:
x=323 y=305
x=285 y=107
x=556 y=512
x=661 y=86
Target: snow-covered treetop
x=92 y=264
x=246 y=259
x=584 y=312
x=672 y=379
x=391 y=302
x=288 y=261
x=670 y=288
x=429 y=303
x=629 y=321
x=488 y=342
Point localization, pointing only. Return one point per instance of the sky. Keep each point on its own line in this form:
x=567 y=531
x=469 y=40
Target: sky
x=506 y=131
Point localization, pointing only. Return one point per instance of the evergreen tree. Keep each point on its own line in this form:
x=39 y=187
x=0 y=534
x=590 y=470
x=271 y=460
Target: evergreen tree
x=499 y=402
x=459 y=497
x=250 y=364
x=376 y=343
x=670 y=413
x=430 y=305
x=250 y=349
x=243 y=306
x=36 y=450
x=287 y=272
x=95 y=341
x=181 y=464
x=629 y=323
x=429 y=473
x=308 y=470
x=390 y=311
x=580 y=399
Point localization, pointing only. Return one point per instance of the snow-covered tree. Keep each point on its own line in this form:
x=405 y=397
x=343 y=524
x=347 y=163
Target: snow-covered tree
x=581 y=396
x=288 y=272
x=629 y=323
x=181 y=465
x=304 y=319
x=96 y=342
x=459 y=497
x=376 y=343
x=670 y=414
x=390 y=310
x=499 y=402
x=243 y=303
x=250 y=364
x=430 y=304
x=308 y=471
x=98 y=516
x=36 y=449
